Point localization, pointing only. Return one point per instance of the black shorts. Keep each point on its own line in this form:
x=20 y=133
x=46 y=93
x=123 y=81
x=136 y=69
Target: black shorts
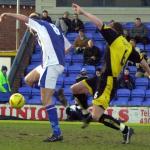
x=102 y=88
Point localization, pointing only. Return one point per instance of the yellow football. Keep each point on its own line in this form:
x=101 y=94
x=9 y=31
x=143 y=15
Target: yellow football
x=17 y=100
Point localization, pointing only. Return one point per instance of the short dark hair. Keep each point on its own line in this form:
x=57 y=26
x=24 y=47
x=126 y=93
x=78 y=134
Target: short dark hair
x=118 y=28
x=35 y=15
x=127 y=69
x=81 y=30
x=138 y=18
x=99 y=69
x=4 y=68
x=44 y=11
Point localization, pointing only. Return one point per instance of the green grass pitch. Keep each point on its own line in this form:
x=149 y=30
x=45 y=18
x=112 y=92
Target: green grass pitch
x=28 y=135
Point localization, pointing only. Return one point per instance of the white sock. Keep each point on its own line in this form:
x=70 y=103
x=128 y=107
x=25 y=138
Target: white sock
x=122 y=127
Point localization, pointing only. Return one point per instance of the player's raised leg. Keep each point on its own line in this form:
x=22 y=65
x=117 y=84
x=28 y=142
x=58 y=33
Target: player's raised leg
x=79 y=90
x=33 y=77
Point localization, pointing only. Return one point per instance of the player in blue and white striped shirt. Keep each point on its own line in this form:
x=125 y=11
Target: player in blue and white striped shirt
x=54 y=45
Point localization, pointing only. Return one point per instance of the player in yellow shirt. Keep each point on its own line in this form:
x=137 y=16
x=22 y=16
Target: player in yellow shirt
x=118 y=52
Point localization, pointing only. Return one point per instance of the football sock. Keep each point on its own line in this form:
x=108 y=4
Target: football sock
x=111 y=122
x=53 y=118
x=82 y=99
x=89 y=118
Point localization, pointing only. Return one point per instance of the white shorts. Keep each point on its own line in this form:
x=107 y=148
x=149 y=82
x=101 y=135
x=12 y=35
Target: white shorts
x=49 y=76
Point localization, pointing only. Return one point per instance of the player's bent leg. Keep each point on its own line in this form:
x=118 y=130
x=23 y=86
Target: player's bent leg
x=32 y=77
x=113 y=123
x=97 y=112
x=46 y=95
x=61 y=97
x=79 y=91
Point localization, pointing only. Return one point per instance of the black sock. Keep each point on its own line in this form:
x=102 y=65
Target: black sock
x=110 y=121
x=82 y=99
x=125 y=131
x=88 y=119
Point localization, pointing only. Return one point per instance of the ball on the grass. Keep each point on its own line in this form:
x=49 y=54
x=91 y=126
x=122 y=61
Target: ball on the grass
x=17 y=100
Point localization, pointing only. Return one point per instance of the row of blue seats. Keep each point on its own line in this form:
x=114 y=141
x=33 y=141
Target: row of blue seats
x=125 y=97
x=140 y=93
x=89 y=26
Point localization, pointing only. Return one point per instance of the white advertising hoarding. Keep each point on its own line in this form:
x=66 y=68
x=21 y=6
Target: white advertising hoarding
x=37 y=112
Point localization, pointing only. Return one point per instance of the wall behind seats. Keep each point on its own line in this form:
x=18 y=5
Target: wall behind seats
x=8 y=27
x=121 y=14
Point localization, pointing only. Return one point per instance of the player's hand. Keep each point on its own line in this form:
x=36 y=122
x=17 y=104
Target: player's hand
x=2 y=16
x=77 y=9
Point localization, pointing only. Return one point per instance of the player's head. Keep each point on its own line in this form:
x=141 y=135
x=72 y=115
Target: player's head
x=118 y=28
x=34 y=16
x=138 y=22
x=45 y=13
x=81 y=33
x=126 y=71
x=4 y=69
x=66 y=14
x=133 y=42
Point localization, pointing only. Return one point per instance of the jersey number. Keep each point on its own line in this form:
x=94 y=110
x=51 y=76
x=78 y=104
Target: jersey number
x=55 y=29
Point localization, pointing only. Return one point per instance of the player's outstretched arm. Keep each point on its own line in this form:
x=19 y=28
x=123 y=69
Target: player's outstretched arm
x=16 y=16
x=98 y=22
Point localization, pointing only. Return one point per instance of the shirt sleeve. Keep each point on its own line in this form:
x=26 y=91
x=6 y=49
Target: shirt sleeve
x=67 y=43
x=35 y=25
x=108 y=33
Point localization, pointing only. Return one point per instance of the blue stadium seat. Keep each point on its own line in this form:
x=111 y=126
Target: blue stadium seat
x=74 y=69
x=90 y=69
x=146 y=103
x=25 y=90
x=121 y=101
x=34 y=100
x=36 y=58
x=133 y=70
x=31 y=67
x=89 y=26
x=129 y=25
x=137 y=95
x=35 y=92
x=141 y=83
x=71 y=36
x=147 y=95
x=136 y=102
x=123 y=93
x=100 y=45
x=67 y=91
x=77 y=59
x=112 y=101
x=68 y=59
x=140 y=46
x=60 y=82
x=90 y=98
x=147 y=24
x=89 y=35
x=4 y=97
x=98 y=37
x=147 y=47
x=68 y=81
